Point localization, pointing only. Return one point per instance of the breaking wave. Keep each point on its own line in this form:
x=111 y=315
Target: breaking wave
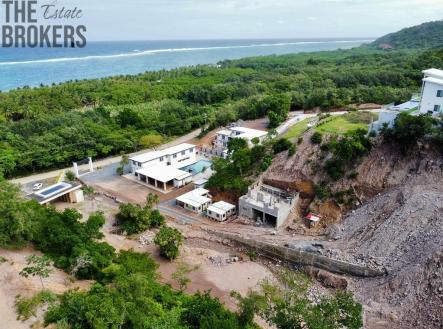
x=136 y=53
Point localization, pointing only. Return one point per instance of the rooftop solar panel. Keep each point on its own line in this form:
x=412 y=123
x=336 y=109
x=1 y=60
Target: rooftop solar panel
x=54 y=189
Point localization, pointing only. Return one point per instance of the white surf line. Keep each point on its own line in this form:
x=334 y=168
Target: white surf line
x=157 y=51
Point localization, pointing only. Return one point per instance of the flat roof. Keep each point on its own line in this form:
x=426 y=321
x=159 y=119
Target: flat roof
x=434 y=80
x=434 y=72
x=54 y=191
x=163 y=173
x=406 y=106
x=148 y=156
x=195 y=198
x=250 y=133
x=245 y=132
x=221 y=207
x=200 y=181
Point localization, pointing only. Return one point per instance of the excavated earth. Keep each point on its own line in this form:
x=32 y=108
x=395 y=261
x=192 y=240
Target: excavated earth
x=398 y=228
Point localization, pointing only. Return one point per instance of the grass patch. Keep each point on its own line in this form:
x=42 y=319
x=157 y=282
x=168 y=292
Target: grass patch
x=298 y=129
x=340 y=125
x=27 y=307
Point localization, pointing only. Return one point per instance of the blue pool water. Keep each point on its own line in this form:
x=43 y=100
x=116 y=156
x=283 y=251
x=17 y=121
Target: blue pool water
x=197 y=167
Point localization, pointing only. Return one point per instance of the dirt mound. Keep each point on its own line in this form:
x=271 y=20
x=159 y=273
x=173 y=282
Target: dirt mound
x=400 y=230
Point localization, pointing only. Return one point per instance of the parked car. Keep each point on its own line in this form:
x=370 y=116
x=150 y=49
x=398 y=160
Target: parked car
x=37 y=186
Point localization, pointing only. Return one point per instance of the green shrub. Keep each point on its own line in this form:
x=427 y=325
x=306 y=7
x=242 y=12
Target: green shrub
x=281 y=145
x=156 y=219
x=321 y=192
x=292 y=150
x=88 y=190
x=408 y=129
x=70 y=176
x=27 y=307
x=334 y=168
x=316 y=138
x=169 y=240
x=133 y=218
x=120 y=171
x=203 y=311
x=252 y=254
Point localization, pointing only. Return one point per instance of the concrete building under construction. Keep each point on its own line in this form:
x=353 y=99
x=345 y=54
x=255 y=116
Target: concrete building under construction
x=267 y=204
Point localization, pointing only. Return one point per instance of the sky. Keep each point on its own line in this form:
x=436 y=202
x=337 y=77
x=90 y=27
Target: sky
x=242 y=19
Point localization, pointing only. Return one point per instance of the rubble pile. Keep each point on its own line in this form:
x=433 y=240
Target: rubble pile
x=400 y=231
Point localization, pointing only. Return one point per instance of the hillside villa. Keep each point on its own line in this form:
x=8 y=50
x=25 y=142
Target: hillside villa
x=429 y=102
x=224 y=136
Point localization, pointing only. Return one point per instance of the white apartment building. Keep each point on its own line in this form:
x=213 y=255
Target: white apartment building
x=178 y=156
x=224 y=136
x=161 y=169
x=432 y=92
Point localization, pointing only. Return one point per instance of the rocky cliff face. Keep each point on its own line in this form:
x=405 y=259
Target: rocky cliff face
x=398 y=227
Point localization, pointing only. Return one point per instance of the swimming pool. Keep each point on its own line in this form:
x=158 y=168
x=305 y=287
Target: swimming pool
x=197 y=167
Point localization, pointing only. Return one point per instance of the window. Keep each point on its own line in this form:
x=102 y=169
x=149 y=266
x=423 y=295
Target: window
x=134 y=163
x=191 y=150
x=139 y=164
x=439 y=93
x=437 y=108
x=161 y=159
x=184 y=152
x=175 y=156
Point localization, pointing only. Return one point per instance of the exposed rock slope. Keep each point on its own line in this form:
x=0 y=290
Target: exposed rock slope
x=399 y=228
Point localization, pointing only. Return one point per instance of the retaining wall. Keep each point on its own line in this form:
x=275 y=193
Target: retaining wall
x=305 y=258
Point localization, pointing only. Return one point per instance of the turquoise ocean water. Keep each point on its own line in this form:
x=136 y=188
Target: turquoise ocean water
x=32 y=67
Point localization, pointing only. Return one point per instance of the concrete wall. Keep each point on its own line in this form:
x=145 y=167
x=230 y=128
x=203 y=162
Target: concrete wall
x=304 y=258
x=183 y=182
x=76 y=196
x=429 y=98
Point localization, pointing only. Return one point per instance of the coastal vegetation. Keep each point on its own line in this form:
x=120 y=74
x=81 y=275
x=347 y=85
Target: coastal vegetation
x=426 y=35
x=51 y=126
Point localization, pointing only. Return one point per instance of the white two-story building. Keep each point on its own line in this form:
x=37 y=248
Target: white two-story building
x=161 y=169
x=224 y=136
x=432 y=92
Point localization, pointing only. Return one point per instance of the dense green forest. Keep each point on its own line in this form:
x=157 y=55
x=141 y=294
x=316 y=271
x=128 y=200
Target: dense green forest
x=49 y=127
x=426 y=35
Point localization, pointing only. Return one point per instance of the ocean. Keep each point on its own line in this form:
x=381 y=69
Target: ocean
x=32 y=67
